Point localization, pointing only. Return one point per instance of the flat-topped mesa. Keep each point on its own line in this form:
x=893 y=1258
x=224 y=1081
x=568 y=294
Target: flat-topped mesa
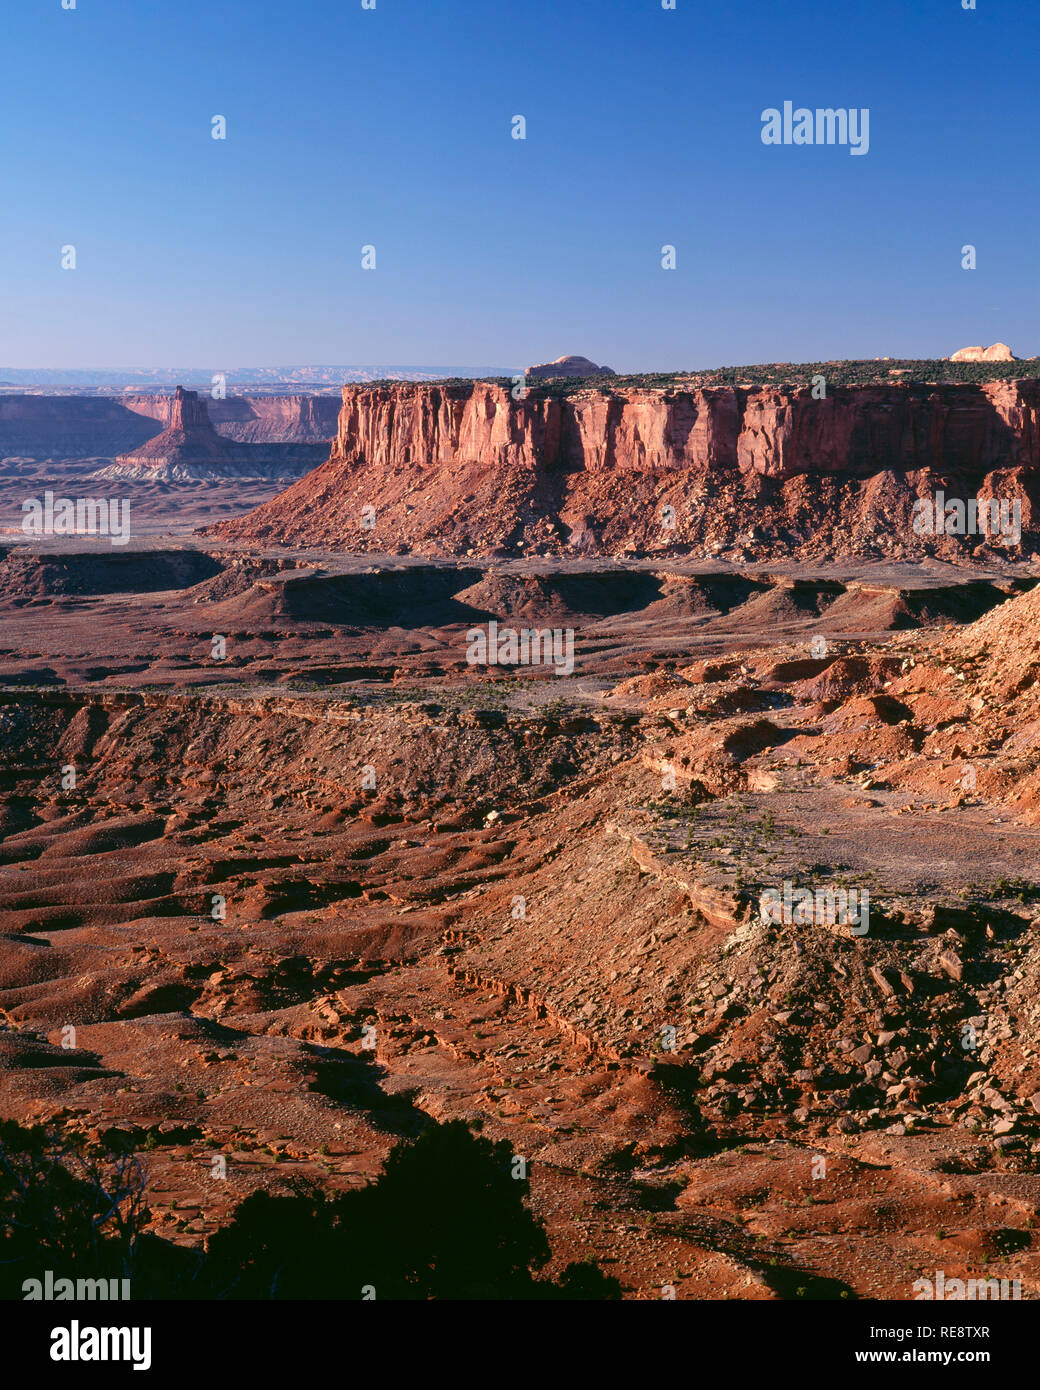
x=463 y=467
x=778 y=432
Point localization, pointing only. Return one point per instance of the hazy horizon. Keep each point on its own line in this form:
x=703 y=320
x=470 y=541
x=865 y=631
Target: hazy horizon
x=327 y=374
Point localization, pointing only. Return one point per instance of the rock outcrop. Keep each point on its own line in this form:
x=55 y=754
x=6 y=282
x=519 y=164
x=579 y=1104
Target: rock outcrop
x=996 y=352
x=190 y=448
x=567 y=367
x=758 y=473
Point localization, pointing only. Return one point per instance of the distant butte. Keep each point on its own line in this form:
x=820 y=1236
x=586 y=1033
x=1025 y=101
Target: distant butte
x=568 y=367
x=190 y=448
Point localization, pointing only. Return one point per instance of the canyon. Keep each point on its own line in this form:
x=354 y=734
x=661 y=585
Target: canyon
x=67 y=426
x=240 y=451
x=291 y=874
x=231 y=868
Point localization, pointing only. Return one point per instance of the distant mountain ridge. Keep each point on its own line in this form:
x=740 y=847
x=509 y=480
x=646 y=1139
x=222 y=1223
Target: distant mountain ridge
x=109 y=380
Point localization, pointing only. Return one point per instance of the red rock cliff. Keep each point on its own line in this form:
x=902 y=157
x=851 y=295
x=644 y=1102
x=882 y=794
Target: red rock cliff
x=775 y=432
x=463 y=466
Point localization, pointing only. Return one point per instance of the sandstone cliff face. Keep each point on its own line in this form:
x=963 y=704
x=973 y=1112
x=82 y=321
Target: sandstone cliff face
x=777 y=433
x=276 y=419
x=464 y=466
x=865 y=430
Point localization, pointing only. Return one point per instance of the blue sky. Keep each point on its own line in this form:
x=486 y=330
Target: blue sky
x=392 y=127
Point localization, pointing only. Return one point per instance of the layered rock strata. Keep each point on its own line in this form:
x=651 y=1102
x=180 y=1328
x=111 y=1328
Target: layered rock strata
x=757 y=473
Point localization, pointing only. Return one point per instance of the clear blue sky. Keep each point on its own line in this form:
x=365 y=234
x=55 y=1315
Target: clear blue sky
x=392 y=127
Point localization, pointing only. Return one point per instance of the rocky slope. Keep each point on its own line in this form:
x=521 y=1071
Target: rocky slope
x=462 y=467
x=545 y=915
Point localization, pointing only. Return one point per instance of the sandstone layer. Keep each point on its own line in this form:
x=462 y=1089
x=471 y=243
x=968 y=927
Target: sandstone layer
x=754 y=473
